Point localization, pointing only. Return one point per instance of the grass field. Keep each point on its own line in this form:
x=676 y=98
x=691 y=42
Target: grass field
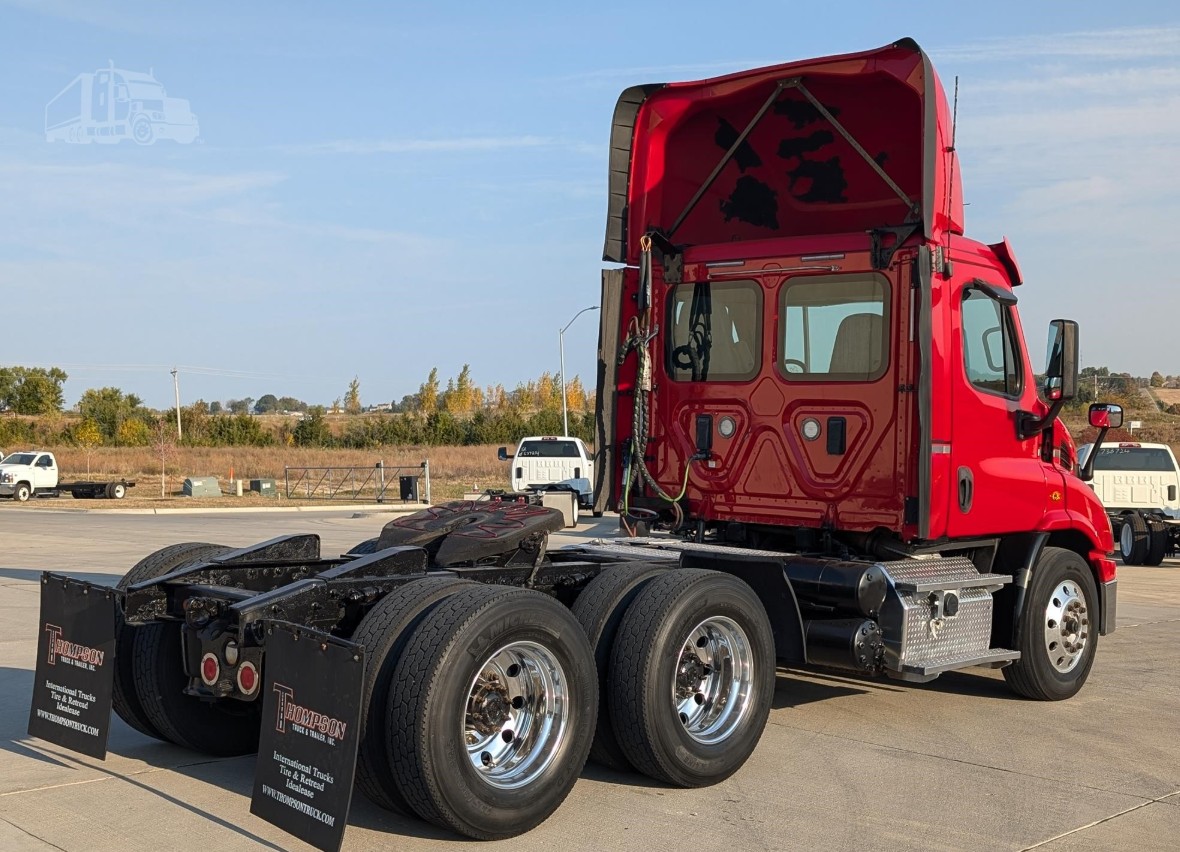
x=453 y=470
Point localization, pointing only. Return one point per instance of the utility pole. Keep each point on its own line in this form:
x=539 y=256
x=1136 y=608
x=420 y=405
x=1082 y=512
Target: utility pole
x=176 y=387
x=565 y=415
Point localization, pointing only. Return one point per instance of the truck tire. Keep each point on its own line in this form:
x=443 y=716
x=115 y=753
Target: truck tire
x=22 y=492
x=679 y=718
x=491 y=711
x=116 y=490
x=125 y=701
x=384 y=632
x=1059 y=630
x=364 y=548
x=1159 y=540
x=1133 y=538
x=600 y=609
x=220 y=728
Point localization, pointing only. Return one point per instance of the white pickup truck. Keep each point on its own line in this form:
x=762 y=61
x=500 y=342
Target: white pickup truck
x=543 y=462
x=1139 y=484
x=34 y=473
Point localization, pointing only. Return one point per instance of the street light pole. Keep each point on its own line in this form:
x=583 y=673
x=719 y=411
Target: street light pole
x=176 y=387
x=565 y=414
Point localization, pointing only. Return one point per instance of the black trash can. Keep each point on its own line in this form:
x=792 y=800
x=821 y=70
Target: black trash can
x=409 y=488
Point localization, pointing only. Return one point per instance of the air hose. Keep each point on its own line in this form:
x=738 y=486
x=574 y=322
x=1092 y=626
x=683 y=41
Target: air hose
x=641 y=333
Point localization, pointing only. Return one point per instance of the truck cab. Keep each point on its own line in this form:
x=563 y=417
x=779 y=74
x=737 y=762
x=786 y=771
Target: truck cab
x=24 y=474
x=804 y=351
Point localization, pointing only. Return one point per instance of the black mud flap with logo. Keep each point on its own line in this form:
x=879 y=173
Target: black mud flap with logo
x=310 y=726
x=75 y=665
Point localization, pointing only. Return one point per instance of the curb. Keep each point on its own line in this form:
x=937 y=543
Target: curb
x=344 y=507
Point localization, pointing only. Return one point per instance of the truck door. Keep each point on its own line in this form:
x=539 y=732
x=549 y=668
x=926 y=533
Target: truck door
x=998 y=480
x=44 y=472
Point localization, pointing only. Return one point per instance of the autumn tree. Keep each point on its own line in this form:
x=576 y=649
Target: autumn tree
x=575 y=395
x=463 y=396
x=87 y=436
x=352 y=399
x=1157 y=380
x=133 y=433
x=428 y=393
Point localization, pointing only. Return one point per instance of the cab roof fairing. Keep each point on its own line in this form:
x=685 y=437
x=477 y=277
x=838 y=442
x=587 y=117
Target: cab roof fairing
x=794 y=174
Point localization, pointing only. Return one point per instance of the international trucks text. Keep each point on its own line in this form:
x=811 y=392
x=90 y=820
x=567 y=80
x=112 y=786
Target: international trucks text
x=806 y=369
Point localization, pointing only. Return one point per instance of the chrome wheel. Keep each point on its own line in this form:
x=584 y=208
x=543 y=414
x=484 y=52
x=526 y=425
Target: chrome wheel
x=517 y=715
x=1067 y=626
x=1126 y=540
x=714 y=680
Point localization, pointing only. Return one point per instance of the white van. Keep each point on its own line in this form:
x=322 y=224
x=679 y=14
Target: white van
x=544 y=460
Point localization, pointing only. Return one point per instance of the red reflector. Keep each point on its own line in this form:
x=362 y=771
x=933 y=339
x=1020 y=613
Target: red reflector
x=1129 y=444
x=247 y=678
x=210 y=669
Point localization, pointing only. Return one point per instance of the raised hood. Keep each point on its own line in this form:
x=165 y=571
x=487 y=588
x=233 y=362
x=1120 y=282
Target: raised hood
x=798 y=171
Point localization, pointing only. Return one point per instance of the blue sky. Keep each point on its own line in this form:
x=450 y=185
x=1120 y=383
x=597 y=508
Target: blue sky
x=380 y=188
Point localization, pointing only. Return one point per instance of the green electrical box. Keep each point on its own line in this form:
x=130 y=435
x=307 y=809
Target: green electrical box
x=265 y=487
x=202 y=486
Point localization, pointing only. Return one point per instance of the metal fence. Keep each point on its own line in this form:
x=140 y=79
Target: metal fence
x=376 y=484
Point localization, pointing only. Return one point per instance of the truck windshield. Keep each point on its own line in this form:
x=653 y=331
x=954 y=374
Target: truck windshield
x=19 y=458
x=548 y=450
x=145 y=90
x=1133 y=458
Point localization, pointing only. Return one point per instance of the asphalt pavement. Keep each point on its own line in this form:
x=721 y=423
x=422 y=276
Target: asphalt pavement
x=844 y=763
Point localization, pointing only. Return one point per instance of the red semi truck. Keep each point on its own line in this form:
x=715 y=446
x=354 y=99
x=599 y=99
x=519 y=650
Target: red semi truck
x=806 y=369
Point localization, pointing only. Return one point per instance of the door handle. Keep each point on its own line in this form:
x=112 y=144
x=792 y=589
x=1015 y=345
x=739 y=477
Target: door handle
x=966 y=489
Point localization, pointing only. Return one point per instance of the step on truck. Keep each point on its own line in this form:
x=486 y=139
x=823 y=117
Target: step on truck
x=806 y=370
x=1139 y=484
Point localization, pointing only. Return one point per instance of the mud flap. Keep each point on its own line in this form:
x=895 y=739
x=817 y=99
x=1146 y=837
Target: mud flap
x=71 y=704
x=310 y=727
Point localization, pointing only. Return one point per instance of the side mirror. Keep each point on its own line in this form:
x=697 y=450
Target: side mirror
x=1061 y=377
x=1106 y=415
x=1103 y=416
x=1061 y=362
x=502 y=454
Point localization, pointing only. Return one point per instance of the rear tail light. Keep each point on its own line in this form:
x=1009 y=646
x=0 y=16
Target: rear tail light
x=210 y=669
x=247 y=678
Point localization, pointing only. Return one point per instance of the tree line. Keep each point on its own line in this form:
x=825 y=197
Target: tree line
x=459 y=412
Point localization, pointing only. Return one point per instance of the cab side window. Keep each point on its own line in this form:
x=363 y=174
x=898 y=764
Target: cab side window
x=989 y=345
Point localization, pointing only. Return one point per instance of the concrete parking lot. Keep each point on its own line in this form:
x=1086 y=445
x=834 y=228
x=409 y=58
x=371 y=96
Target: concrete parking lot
x=844 y=763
